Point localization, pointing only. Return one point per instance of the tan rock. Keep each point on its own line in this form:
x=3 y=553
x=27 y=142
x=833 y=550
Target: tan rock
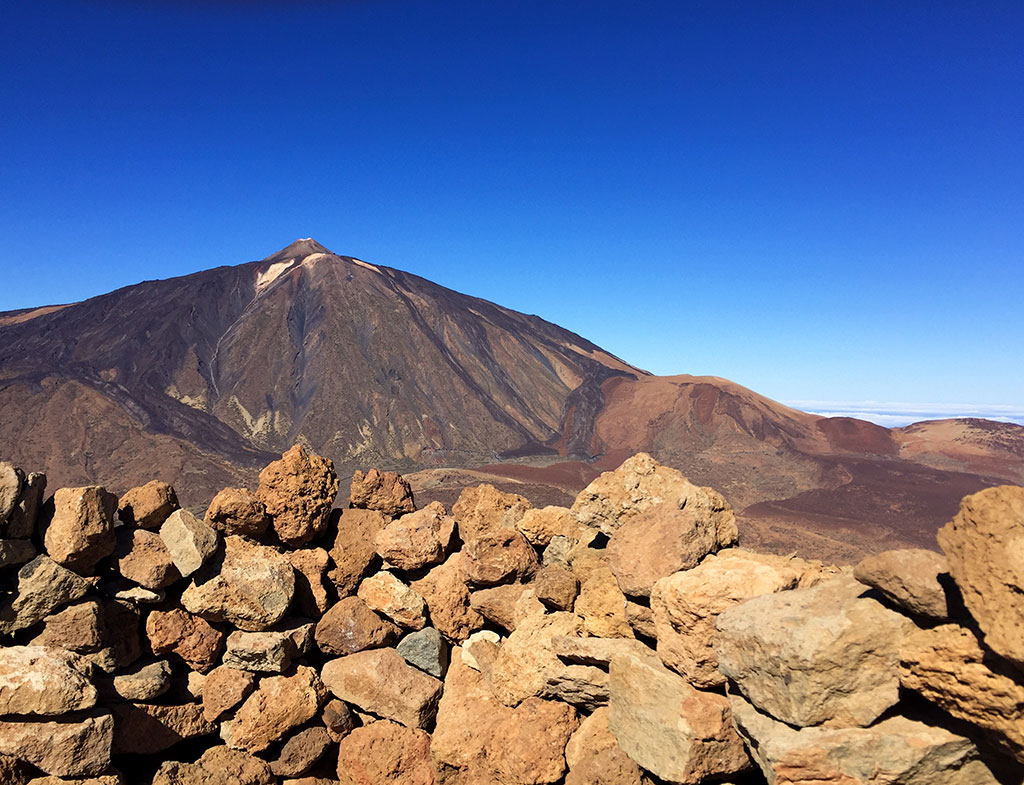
x=896 y=750
x=447 y=595
x=237 y=511
x=43 y=680
x=557 y=587
x=539 y=525
x=21 y=522
x=417 y=539
x=385 y=752
x=145 y=682
x=381 y=682
x=251 y=586
x=948 y=666
x=310 y=565
x=62 y=748
x=279 y=705
x=594 y=756
x=43 y=587
x=14 y=552
x=78 y=628
x=189 y=541
x=14 y=771
x=81 y=532
x=528 y=745
x=298 y=492
x=685 y=605
x=354 y=554
x=484 y=509
x=219 y=765
x=641 y=619
x=506 y=605
x=350 y=626
x=301 y=752
x=985 y=547
x=819 y=655
x=911 y=578
x=480 y=650
x=225 y=688
x=141 y=556
x=270 y=652
x=385 y=492
x=146 y=728
x=106 y=779
x=387 y=595
x=147 y=506
x=676 y=732
x=602 y=605
x=499 y=556
x=193 y=639
x=11 y=481
x=526 y=661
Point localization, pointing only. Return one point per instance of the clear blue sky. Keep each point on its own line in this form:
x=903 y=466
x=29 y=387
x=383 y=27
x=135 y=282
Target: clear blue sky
x=819 y=200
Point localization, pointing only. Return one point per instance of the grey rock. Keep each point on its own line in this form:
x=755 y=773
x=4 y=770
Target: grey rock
x=426 y=650
x=43 y=587
x=11 y=480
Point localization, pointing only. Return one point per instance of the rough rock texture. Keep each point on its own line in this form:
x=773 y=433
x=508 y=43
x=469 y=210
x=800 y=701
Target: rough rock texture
x=43 y=680
x=144 y=682
x=594 y=756
x=498 y=556
x=350 y=626
x=676 y=732
x=527 y=661
x=447 y=595
x=896 y=750
x=911 y=578
x=147 y=506
x=189 y=541
x=528 y=744
x=280 y=704
x=485 y=509
x=506 y=605
x=251 y=586
x=225 y=688
x=11 y=482
x=540 y=525
x=385 y=752
x=339 y=719
x=22 y=519
x=417 y=539
x=43 y=587
x=62 y=748
x=385 y=492
x=426 y=650
x=556 y=587
x=387 y=595
x=259 y=651
x=602 y=605
x=298 y=492
x=78 y=627
x=14 y=552
x=985 y=547
x=381 y=682
x=685 y=605
x=237 y=511
x=311 y=595
x=81 y=532
x=145 y=728
x=217 y=766
x=193 y=639
x=301 y=752
x=354 y=553
x=142 y=557
x=815 y=655
x=948 y=666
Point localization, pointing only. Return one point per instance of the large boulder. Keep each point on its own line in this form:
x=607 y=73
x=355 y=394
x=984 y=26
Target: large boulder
x=385 y=492
x=81 y=532
x=385 y=752
x=417 y=539
x=812 y=656
x=483 y=509
x=279 y=705
x=147 y=506
x=42 y=680
x=298 y=492
x=913 y=579
x=985 y=547
x=62 y=748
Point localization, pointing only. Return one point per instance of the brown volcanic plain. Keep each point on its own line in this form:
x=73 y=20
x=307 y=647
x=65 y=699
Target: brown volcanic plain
x=200 y=380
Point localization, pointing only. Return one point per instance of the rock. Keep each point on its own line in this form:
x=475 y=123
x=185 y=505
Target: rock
x=217 y=766
x=189 y=541
x=499 y=556
x=426 y=650
x=302 y=633
x=381 y=682
x=15 y=552
x=584 y=681
x=985 y=547
x=538 y=526
x=526 y=660
x=558 y=550
x=62 y=748
x=556 y=587
x=676 y=732
x=301 y=752
x=528 y=745
x=385 y=492
x=662 y=540
x=819 y=655
x=12 y=480
x=599 y=651
x=141 y=556
x=251 y=586
x=108 y=779
x=641 y=619
x=14 y=771
x=193 y=639
x=148 y=505
x=121 y=589
x=603 y=605
x=43 y=587
x=146 y=728
x=78 y=628
x=144 y=682
x=484 y=509
x=350 y=626
x=385 y=752
x=387 y=595
x=310 y=565
x=105 y=633
x=237 y=511
x=896 y=750
x=259 y=651
x=81 y=532
x=447 y=595
x=506 y=605
x=43 y=680
x=685 y=605
x=21 y=522
x=594 y=756
x=417 y=539
x=355 y=548
x=223 y=689
x=279 y=705
x=949 y=667
x=339 y=719
x=911 y=578
x=480 y=650
x=298 y=492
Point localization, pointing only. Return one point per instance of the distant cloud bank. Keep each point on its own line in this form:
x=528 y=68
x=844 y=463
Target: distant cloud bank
x=895 y=415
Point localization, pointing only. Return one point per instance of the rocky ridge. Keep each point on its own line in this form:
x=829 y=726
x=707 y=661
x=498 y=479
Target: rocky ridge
x=625 y=640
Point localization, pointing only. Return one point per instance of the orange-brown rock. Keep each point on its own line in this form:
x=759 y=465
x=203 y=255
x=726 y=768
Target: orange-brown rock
x=350 y=626
x=484 y=509
x=146 y=728
x=339 y=719
x=506 y=605
x=142 y=557
x=385 y=752
x=354 y=554
x=985 y=547
x=540 y=525
x=526 y=660
x=237 y=511
x=602 y=605
x=528 y=745
x=77 y=628
x=911 y=578
x=301 y=752
x=279 y=705
x=417 y=539
x=387 y=595
x=594 y=756
x=147 y=506
x=447 y=595
x=81 y=532
x=298 y=492
x=178 y=632
x=219 y=765
x=499 y=556
x=225 y=688
x=310 y=565
x=385 y=492
x=556 y=587
x=68 y=747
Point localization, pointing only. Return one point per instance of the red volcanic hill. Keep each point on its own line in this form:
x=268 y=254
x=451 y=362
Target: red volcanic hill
x=202 y=379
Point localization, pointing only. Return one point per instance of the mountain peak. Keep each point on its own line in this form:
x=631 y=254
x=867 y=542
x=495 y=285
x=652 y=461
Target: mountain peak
x=299 y=249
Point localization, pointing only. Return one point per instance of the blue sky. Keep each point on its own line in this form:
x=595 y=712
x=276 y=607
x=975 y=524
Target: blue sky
x=822 y=201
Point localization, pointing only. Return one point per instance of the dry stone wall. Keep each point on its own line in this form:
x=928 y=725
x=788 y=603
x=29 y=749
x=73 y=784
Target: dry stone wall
x=626 y=640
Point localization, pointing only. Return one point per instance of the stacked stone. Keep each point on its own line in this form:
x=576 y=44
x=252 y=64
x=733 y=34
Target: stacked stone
x=624 y=641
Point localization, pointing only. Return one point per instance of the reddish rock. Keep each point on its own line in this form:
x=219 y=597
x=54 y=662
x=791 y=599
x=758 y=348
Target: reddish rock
x=417 y=539
x=385 y=492
x=350 y=626
x=298 y=492
x=223 y=689
x=387 y=595
x=528 y=745
x=484 y=509
x=279 y=705
x=447 y=595
x=499 y=556
x=310 y=565
x=385 y=752
x=145 y=728
x=142 y=557
x=301 y=752
x=193 y=639
x=81 y=532
x=354 y=554
x=147 y=506
x=62 y=748
x=237 y=511
x=540 y=526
